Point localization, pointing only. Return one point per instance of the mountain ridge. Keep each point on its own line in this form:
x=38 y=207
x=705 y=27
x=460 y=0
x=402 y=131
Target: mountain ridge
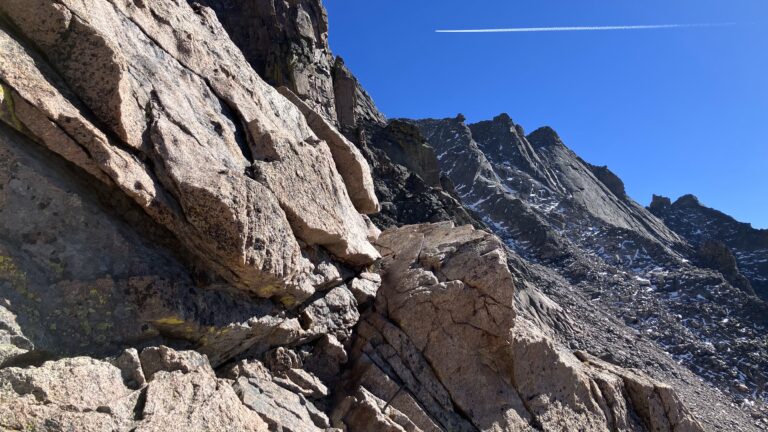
x=606 y=233
x=190 y=240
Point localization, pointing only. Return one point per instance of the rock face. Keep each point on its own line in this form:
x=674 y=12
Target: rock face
x=717 y=256
x=181 y=203
x=452 y=312
x=185 y=244
x=609 y=179
x=701 y=226
x=201 y=192
x=349 y=161
x=286 y=43
x=496 y=170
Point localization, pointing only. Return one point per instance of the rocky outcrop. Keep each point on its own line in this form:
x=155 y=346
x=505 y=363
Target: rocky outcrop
x=349 y=161
x=85 y=394
x=705 y=227
x=451 y=313
x=182 y=203
x=717 y=256
x=200 y=192
x=658 y=203
x=217 y=215
x=609 y=179
x=404 y=145
x=287 y=45
x=284 y=402
x=105 y=275
x=495 y=168
x=354 y=106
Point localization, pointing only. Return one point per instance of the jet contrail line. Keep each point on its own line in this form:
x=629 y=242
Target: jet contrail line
x=593 y=28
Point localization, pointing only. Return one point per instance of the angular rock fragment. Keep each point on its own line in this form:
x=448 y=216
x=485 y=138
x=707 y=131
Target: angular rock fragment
x=278 y=406
x=364 y=288
x=349 y=161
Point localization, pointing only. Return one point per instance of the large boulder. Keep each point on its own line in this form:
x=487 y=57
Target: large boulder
x=349 y=161
x=446 y=348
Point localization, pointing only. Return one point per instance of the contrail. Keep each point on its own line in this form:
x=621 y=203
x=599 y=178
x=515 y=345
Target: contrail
x=598 y=28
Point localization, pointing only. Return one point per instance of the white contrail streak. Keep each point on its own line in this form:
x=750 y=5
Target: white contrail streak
x=597 y=28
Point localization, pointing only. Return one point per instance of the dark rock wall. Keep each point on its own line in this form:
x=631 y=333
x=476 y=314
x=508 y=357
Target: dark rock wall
x=701 y=225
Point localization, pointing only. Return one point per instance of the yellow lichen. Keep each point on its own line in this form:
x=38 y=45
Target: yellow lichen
x=288 y=301
x=7 y=109
x=86 y=327
x=10 y=272
x=170 y=321
x=267 y=291
x=57 y=268
x=104 y=326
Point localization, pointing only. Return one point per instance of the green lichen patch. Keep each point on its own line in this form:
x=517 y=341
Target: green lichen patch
x=11 y=273
x=7 y=108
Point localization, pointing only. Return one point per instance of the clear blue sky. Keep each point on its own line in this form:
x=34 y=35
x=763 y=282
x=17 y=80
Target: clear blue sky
x=671 y=111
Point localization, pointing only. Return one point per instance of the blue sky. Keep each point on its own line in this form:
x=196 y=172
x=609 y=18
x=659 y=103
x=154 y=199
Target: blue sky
x=671 y=111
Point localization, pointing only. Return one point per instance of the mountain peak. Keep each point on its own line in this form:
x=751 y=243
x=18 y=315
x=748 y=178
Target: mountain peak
x=503 y=118
x=659 y=202
x=688 y=200
x=544 y=137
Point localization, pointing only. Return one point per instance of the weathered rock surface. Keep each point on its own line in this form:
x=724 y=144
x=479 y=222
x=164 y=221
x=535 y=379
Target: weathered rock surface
x=717 y=256
x=85 y=394
x=287 y=45
x=404 y=145
x=200 y=192
x=452 y=313
x=349 y=161
x=522 y=186
x=609 y=179
x=182 y=246
x=282 y=403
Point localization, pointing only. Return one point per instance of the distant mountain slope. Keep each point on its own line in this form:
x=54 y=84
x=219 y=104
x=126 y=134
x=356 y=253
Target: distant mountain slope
x=700 y=225
x=542 y=197
x=575 y=218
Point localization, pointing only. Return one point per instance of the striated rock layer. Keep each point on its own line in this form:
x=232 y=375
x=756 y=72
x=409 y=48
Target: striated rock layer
x=445 y=350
